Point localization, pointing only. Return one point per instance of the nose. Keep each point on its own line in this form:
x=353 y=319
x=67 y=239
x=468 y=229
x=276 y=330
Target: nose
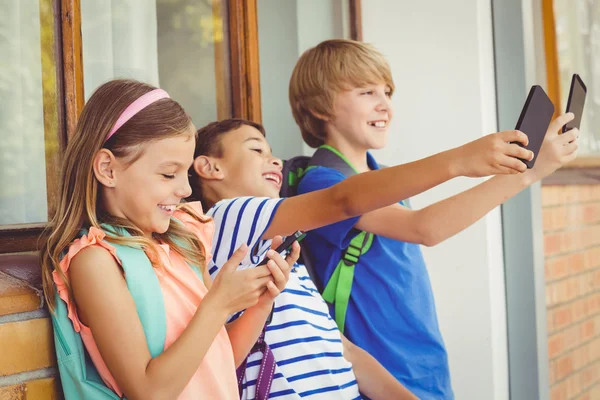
x=384 y=103
x=277 y=162
x=185 y=190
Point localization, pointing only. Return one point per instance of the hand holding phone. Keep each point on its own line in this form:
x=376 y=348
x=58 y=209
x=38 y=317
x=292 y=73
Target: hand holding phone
x=575 y=103
x=534 y=120
x=286 y=245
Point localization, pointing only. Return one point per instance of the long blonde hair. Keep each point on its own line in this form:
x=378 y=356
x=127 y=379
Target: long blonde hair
x=78 y=206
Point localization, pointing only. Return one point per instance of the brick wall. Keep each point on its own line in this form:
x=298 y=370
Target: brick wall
x=571 y=218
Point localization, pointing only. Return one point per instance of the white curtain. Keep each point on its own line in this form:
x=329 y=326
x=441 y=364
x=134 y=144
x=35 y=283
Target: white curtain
x=22 y=156
x=119 y=41
x=578 y=45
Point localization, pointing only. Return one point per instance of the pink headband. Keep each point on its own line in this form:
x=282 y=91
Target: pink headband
x=137 y=106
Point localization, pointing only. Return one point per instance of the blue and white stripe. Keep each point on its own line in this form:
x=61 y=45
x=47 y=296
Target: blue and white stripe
x=304 y=338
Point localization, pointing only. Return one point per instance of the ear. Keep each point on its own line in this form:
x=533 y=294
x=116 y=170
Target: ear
x=208 y=168
x=320 y=116
x=104 y=167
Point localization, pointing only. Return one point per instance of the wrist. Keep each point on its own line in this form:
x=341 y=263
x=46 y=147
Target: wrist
x=213 y=302
x=453 y=162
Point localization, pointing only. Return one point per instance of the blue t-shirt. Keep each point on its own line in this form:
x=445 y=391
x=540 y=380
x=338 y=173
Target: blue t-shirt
x=391 y=312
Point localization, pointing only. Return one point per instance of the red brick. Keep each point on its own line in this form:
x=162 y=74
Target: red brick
x=559 y=391
x=588 y=376
x=576 y=263
x=593 y=256
x=578 y=310
x=588 y=329
x=564 y=367
x=574 y=385
x=557 y=268
x=551 y=372
x=552 y=244
x=556 y=345
x=562 y=317
x=550 y=195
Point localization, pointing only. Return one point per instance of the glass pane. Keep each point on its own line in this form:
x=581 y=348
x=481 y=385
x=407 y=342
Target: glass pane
x=286 y=28
x=578 y=47
x=179 y=45
x=23 y=197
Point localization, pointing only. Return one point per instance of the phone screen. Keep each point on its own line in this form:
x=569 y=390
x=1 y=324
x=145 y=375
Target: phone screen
x=576 y=102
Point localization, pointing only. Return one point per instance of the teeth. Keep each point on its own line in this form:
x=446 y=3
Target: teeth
x=166 y=208
x=378 y=124
x=273 y=178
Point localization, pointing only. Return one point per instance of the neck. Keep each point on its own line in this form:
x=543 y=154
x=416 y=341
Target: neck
x=357 y=157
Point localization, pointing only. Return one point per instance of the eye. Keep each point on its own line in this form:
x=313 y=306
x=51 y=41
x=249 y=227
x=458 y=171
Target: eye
x=168 y=176
x=259 y=151
x=367 y=93
x=388 y=93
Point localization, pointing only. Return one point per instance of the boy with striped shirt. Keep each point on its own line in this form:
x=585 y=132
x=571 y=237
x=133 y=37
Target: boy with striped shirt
x=238 y=180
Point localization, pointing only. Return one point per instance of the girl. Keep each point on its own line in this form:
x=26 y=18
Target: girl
x=124 y=264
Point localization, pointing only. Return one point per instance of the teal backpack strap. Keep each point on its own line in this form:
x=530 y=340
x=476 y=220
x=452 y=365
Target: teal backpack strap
x=145 y=290
x=338 y=288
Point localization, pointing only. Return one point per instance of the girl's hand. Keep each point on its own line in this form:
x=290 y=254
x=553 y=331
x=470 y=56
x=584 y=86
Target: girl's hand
x=234 y=290
x=280 y=270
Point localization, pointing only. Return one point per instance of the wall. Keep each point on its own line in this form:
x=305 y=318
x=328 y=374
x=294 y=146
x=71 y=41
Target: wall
x=444 y=73
x=572 y=251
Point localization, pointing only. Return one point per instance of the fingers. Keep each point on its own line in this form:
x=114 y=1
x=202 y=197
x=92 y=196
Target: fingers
x=514 y=150
x=513 y=164
x=559 y=122
x=514 y=136
x=277 y=240
x=273 y=290
x=569 y=136
x=293 y=256
x=236 y=259
x=279 y=277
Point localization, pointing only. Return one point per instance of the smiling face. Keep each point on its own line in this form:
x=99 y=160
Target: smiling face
x=246 y=166
x=147 y=191
x=361 y=117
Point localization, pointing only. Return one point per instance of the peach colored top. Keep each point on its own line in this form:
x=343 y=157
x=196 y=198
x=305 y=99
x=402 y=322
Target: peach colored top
x=182 y=292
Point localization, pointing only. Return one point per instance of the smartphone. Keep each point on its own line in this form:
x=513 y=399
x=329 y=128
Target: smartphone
x=286 y=245
x=576 y=101
x=535 y=119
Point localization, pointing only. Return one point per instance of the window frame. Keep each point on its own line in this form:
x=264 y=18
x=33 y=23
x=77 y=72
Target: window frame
x=584 y=170
x=68 y=63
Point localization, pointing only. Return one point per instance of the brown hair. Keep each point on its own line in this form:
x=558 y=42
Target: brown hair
x=78 y=204
x=325 y=70
x=209 y=143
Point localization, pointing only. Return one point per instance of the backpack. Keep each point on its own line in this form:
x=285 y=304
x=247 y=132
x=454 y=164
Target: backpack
x=337 y=290
x=79 y=377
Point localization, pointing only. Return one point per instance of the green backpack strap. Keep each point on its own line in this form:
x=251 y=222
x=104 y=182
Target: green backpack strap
x=338 y=288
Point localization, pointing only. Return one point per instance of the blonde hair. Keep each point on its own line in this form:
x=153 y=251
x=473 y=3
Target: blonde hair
x=78 y=204
x=324 y=71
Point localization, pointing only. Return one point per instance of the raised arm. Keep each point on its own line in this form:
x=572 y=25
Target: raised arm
x=362 y=193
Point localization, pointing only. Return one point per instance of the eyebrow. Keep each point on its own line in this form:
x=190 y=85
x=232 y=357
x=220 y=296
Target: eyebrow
x=170 y=164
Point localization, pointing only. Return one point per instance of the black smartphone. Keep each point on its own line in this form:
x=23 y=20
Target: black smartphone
x=286 y=245
x=535 y=119
x=576 y=101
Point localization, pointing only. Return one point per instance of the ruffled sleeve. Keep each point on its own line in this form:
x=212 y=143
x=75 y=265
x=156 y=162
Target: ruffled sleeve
x=95 y=237
x=201 y=225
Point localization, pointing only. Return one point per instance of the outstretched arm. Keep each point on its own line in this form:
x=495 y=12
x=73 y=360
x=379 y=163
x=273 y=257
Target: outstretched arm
x=362 y=193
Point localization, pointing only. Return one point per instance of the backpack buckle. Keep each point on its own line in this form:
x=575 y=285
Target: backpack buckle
x=351 y=255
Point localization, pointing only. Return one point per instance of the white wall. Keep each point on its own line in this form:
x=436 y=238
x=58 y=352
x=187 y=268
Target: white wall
x=441 y=56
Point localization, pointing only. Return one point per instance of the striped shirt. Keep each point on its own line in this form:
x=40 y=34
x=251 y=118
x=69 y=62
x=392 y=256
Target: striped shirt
x=304 y=338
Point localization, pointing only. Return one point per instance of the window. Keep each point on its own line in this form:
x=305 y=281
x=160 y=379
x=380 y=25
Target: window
x=205 y=53
x=29 y=120
x=179 y=45
x=285 y=30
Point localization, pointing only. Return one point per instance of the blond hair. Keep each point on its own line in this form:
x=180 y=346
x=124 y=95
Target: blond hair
x=78 y=205
x=325 y=70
